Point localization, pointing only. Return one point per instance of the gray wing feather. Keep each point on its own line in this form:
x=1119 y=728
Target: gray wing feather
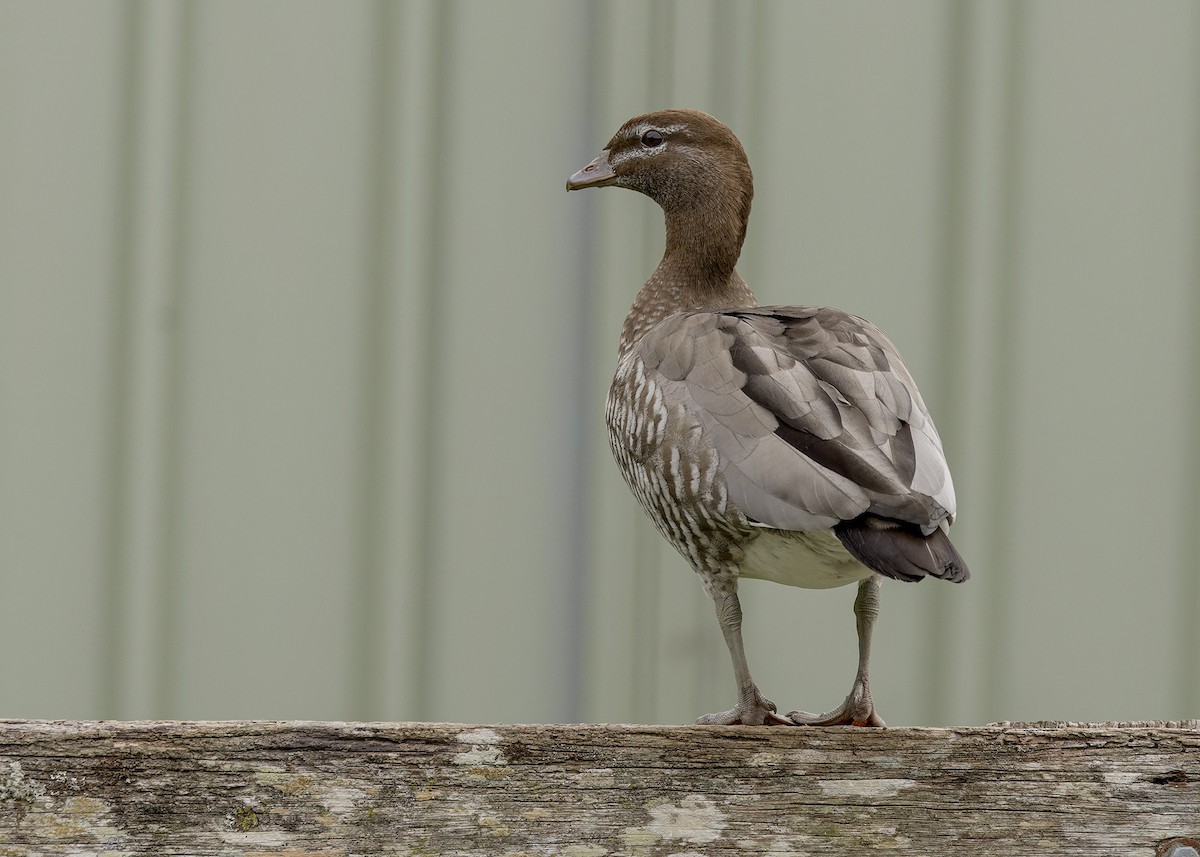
x=814 y=416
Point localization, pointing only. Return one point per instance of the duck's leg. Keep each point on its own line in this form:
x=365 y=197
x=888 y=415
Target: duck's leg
x=752 y=709
x=858 y=709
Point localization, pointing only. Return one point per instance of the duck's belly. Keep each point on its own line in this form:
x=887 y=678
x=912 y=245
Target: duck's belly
x=814 y=560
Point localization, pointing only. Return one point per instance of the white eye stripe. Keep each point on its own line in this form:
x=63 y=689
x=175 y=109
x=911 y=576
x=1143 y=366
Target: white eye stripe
x=640 y=152
x=642 y=127
x=644 y=152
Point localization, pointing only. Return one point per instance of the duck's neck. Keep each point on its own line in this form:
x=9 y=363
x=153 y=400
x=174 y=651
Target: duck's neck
x=696 y=272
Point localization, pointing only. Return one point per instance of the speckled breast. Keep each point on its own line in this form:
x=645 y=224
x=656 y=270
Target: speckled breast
x=667 y=462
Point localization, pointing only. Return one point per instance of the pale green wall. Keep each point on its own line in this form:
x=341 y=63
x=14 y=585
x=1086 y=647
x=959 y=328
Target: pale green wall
x=303 y=350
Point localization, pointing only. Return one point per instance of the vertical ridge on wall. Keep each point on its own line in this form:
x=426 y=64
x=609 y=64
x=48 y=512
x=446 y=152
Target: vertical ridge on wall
x=370 y=605
x=404 y=589
x=170 y=547
x=723 y=80
x=968 y=431
x=584 y=415
x=616 y=563
x=1005 y=385
x=950 y=381
x=1188 y=668
x=428 y=489
x=142 y=336
x=115 y=505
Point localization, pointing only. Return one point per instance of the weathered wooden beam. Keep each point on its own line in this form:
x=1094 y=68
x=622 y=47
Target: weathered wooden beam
x=298 y=788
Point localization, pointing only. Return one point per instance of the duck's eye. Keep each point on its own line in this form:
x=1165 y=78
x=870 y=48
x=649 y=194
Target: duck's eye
x=652 y=139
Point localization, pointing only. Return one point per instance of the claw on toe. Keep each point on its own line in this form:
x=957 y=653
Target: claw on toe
x=745 y=717
x=753 y=711
x=836 y=717
x=857 y=710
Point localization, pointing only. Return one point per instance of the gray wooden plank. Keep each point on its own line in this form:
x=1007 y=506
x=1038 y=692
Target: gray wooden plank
x=587 y=791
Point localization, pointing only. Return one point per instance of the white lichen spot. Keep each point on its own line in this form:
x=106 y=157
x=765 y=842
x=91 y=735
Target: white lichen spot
x=694 y=819
x=78 y=816
x=65 y=779
x=484 y=750
x=864 y=788
x=14 y=785
x=341 y=800
x=637 y=839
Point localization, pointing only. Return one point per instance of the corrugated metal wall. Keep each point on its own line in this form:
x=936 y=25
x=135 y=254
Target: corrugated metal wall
x=303 y=351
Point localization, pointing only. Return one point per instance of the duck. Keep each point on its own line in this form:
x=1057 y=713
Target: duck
x=779 y=443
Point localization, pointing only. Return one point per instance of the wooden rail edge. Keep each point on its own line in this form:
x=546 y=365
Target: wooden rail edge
x=423 y=789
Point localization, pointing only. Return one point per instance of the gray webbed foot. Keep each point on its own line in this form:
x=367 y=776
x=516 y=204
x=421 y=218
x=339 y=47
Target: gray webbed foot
x=857 y=710
x=752 y=710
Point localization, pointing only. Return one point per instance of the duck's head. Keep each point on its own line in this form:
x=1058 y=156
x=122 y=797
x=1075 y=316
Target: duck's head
x=682 y=159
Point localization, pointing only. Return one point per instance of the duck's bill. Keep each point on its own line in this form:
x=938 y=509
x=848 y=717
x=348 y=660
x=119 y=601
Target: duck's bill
x=596 y=174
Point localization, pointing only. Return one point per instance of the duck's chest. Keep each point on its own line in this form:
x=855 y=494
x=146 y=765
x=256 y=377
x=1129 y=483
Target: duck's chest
x=668 y=463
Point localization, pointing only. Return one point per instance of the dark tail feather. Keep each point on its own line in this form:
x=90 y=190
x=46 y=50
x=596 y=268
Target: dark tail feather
x=900 y=551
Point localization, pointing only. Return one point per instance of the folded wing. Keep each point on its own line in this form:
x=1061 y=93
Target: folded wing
x=817 y=424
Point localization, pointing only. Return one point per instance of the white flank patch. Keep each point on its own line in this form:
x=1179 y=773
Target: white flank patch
x=813 y=560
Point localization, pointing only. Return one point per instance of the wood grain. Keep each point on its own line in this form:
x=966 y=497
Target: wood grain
x=417 y=789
